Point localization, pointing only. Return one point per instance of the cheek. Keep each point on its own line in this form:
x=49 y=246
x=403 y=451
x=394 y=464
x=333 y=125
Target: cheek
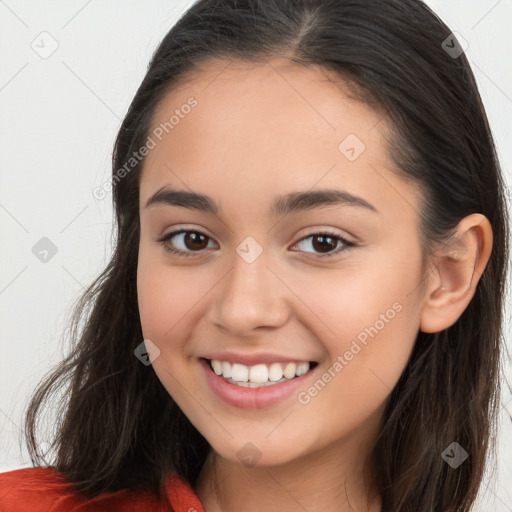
x=165 y=304
x=369 y=321
x=357 y=301
x=366 y=359
x=169 y=303
x=167 y=296
x=156 y=301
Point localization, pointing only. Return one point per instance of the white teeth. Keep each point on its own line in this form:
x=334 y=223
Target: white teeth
x=226 y=369
x=289 y=370
x=259 y=374
x=275 y=372
x=302 y=368
x=256 y=384
x=239 y=372
x=217 y=367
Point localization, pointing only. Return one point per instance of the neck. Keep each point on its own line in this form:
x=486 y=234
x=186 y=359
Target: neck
x=328 y=480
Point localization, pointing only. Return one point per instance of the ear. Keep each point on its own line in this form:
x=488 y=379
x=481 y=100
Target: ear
x=456 y=268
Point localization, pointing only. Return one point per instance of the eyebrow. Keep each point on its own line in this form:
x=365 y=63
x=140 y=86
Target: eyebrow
x=282 y=205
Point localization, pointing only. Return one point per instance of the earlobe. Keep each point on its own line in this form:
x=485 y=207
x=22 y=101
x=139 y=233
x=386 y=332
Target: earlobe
x=456 y=269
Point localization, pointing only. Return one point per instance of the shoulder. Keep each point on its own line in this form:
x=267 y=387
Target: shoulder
x=181 y=495
x=46 y=489
x=37 y=488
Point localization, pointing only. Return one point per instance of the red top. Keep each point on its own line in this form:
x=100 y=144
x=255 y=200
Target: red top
x=45 y=489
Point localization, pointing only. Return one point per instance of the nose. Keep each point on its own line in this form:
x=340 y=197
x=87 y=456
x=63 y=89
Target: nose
x=252 y=296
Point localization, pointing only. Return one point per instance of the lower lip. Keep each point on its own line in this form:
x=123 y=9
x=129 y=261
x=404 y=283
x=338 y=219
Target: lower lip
x=252 y=398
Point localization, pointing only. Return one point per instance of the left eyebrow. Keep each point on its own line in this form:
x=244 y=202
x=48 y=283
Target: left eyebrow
x=298 y=201
x=282 y=205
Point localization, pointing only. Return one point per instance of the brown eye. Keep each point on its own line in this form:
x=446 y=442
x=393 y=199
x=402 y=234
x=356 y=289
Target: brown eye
x=185 y=243
x=195 y=241
x=325 y=245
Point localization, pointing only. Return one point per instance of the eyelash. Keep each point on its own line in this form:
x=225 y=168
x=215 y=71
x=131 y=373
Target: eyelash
x=166 y=238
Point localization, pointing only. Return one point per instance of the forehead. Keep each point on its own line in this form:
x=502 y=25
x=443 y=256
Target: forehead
x=263 y=129
x=252 y=101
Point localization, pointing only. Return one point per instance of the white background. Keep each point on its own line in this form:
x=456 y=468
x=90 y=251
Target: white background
x=58 y=124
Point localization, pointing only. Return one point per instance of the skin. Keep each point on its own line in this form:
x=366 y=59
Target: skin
x=261 y=131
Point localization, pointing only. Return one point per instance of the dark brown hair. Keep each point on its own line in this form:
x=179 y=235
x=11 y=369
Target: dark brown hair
x=118 y=426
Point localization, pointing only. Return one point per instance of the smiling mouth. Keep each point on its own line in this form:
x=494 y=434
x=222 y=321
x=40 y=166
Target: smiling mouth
x=259 y=375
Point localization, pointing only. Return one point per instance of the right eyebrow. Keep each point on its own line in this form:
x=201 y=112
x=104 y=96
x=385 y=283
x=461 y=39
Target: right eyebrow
x=185 y=199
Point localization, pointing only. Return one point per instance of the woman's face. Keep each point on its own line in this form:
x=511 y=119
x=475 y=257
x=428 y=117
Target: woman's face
x=265 y=143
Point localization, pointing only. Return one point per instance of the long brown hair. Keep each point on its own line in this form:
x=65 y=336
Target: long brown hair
x=119 y=428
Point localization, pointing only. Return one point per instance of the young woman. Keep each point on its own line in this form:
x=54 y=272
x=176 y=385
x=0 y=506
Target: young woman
x=303 y=310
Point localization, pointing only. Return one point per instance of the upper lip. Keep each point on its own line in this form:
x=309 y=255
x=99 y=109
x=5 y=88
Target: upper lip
x=253 y=358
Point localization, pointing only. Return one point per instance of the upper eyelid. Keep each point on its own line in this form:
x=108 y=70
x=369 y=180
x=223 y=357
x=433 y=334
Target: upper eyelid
x=180 y=231
x=318 y=231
